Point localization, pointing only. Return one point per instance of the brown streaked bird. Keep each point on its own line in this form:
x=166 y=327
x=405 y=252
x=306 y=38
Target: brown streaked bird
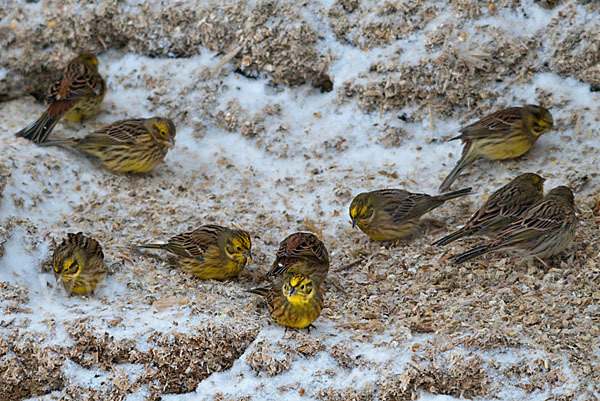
x=127 y=146
x=505 y=134
x=294 y=300
x=209 y=252
x=78 y=264
x=502 y=208
x=545 y=230
x=301 y=252
x=76 y=95
x=393 y=214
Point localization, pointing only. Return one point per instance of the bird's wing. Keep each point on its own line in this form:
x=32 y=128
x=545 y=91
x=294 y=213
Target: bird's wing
x=194 y=244
x=125 y=131
x=498 y=123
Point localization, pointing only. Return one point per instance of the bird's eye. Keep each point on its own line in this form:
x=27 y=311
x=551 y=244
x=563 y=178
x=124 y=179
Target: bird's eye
x=239 y=249
x=302 y=287
x=163 y=133
x=71 y=268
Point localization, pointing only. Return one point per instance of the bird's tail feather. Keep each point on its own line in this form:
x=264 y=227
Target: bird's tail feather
x=464 y=161
x=277 y=270
x=470 y=254
x=39 y=130
x=450 y=238
x=455 y=194
x=152 y=246
x=259 y=291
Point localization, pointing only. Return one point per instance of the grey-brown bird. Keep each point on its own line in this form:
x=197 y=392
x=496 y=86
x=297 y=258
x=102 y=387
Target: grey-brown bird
x=505 y=134
x=545 y=230
x=392 y=214
x=502 y=208
x=301 y=252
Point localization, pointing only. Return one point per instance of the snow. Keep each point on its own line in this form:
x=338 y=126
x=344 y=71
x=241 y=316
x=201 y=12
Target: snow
x=310 y=119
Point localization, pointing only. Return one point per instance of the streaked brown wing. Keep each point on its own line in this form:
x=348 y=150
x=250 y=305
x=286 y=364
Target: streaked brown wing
x=545 y=215
x=121 y=131
x=402 y=205
x=88 y=244
x=195 y=243
x=76 y=82
x=301 y=245
x=499 y=122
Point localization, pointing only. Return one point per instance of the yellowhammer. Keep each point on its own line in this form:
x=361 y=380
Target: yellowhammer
x=505 y=134
x=392 y=214
x=127 y=146
x=210 y=252
x=545 y=230
x=76 y=95
x=78 y=264
x=502 y=208
x=301 y=252
x=294 y=300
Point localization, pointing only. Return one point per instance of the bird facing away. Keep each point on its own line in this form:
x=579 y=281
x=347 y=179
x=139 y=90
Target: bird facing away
x=301 y=252
x=127 y=146
x=76 y=95
x=545 y=230
x=503 y=207
x=505 y=134
x=78 y=264
x=392 y=214
x=294 y=300
x=209 y=252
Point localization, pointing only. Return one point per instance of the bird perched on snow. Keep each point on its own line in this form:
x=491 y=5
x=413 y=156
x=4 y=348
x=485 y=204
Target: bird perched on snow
x=392 y=214
x=210 y=251
x=505 y=134
x=127 y=146
x=301 y=252
x=502 y=208
x=294 y=300
x=78 y=264
x=545 y=230
x=76 y=95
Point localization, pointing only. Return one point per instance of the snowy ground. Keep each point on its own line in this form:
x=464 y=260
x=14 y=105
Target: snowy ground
x=264 y=152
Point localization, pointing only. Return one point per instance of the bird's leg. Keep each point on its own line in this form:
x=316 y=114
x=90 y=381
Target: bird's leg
x=544 y=263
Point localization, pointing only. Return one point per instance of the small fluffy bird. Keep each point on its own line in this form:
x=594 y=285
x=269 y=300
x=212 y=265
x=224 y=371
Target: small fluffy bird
x=76 y=95
x=505 y=134
x=78 y=264
x=502 y=208
x=301 y=252
x=392 y=214
x=294 y=300
x=209 y=252
x=545 y=230
x=127 y=146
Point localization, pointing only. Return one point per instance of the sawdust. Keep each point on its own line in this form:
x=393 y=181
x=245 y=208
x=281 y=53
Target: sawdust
x=497 y=303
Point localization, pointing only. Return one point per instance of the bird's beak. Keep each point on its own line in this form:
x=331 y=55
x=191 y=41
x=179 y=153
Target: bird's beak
x=353 y=223
x=292 y=291
x=248 y=256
